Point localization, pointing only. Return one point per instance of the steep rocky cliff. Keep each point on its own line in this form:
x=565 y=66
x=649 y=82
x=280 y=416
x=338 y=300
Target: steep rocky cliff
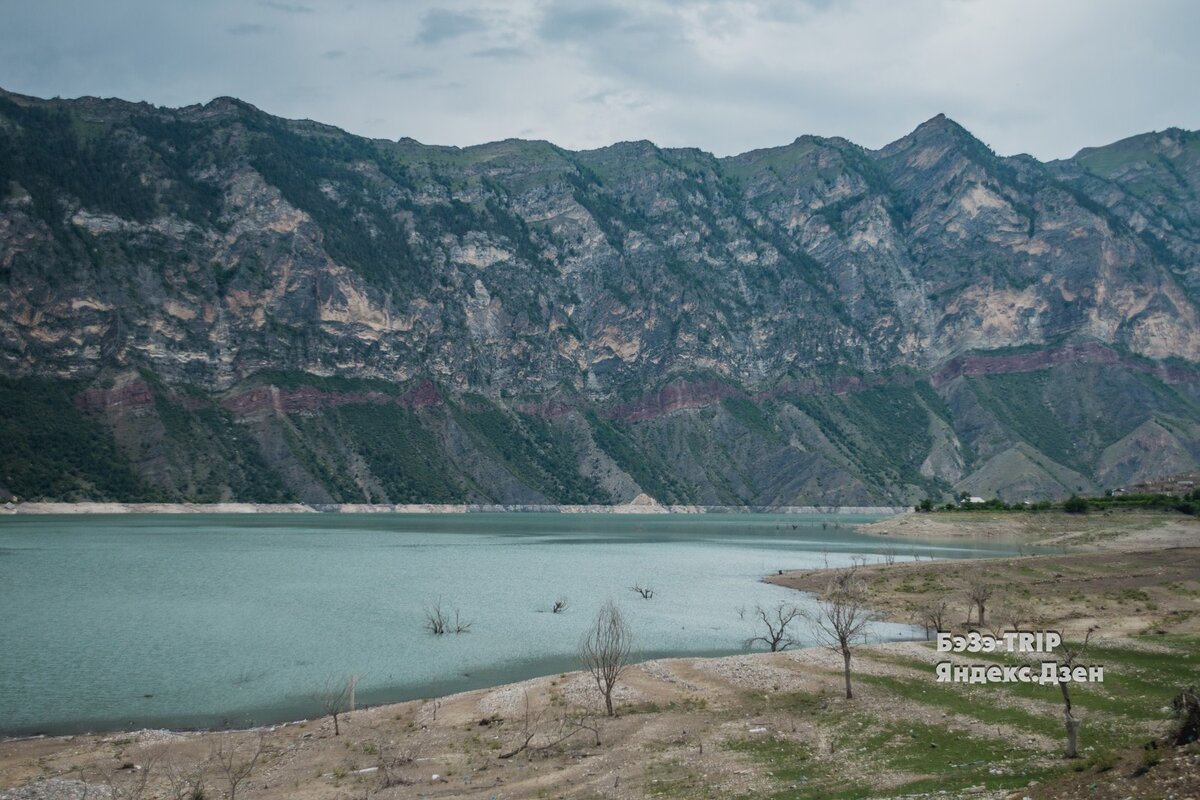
x=211 y=303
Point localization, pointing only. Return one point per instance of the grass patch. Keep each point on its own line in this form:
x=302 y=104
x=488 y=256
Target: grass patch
x=940 y=757
x=1137 y=685
x=947 y=759
x=976 y=703
x=795 y=765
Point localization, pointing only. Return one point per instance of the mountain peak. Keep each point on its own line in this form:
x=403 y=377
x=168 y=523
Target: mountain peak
x=940 y=125
x=937 y=131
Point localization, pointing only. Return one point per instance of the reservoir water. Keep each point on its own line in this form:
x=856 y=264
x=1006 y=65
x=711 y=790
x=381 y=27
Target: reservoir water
x=208 y=620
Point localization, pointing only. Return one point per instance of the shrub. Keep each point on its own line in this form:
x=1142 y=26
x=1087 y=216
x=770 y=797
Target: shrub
x=1075 y=505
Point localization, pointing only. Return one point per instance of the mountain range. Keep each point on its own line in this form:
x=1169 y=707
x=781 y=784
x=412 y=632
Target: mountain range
x=211 y=303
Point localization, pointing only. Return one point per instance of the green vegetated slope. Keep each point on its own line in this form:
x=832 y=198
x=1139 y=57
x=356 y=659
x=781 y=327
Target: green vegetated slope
x=1072 y=429
x=53 y=450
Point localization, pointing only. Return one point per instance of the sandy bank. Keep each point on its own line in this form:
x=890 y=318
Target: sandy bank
x=1119 y=530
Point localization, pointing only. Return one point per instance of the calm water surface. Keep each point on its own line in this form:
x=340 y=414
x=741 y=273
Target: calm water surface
x=210 y=620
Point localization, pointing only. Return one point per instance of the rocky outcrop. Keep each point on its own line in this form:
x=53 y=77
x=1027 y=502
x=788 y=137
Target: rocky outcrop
x=246 y=304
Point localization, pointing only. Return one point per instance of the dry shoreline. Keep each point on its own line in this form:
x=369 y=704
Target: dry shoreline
x=686 y=722
x=1109 y=531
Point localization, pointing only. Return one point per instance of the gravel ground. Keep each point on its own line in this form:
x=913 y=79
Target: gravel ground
x=58 y=789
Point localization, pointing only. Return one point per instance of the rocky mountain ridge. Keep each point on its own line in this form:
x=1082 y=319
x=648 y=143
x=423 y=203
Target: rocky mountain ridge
x=231 y=306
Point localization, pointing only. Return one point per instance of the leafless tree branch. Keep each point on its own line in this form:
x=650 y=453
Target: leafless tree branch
x=606 y=649
x=776 y=621
x=841 y=617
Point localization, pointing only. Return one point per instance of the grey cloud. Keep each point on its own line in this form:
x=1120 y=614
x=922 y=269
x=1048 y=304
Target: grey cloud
x=503 y=53
x=440 y=25
x=614 y=98
x=408 y=74
x=565 y=21
x=288 y=8
x=791 y=10
x=247 y=29
x=333 y=55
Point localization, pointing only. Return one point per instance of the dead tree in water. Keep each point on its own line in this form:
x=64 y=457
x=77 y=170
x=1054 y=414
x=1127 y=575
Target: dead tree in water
x=776 y=621
x=560 y=605
x=439 y=622
x=647 y=592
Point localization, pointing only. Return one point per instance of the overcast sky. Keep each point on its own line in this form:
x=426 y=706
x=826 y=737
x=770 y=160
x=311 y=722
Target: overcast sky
x=1045 y=77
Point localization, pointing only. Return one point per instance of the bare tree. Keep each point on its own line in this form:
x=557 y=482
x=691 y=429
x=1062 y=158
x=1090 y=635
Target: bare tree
x=647 y=592
x=560 y=604
x=435 y=619
x=186 y=782
x=390 y=761
x=776 y=621
x=1068 y=658
x=979 y=592
x=606 y=649
x=438 y=620
x=841 y=617
x=333 y=697
x=1018 y=613
x=235 y=761
x=889 y=556
x=932 y=616
x=132 y=781
x=558 y=731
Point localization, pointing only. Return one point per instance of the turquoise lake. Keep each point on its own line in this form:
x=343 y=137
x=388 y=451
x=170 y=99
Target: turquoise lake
x=205 y=620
